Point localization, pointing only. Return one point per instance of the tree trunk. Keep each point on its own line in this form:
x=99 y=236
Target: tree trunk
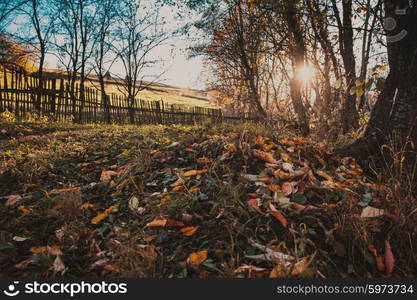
x=394 y=116
x=299 y=53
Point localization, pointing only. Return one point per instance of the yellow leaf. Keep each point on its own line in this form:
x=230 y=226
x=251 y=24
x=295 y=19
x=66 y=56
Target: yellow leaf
x=189 y=231
x=197 y=258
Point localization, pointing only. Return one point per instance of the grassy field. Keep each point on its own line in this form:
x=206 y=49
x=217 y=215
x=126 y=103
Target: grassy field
x=174 y=202
x=153 y=92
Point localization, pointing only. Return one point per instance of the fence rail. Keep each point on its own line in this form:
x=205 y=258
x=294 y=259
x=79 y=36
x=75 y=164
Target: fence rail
x=20 y=93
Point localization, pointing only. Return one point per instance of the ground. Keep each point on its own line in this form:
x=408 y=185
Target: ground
x=197 y=201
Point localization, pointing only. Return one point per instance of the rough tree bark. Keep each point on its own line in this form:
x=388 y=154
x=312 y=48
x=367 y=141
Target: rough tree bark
x=394 y=116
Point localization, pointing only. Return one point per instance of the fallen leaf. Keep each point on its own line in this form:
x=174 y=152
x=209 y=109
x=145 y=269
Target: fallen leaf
x=100 y=217
x=265 y=156
x=19 y=238
x=59 y=264
x=197 y=258
x=205 y=160
x=107 y=175
x=389 y=259
x=24 y=210
x=52 y=250
x=62 y=191
x=157 y=223
x=254 y=202
x=148 y=252
x=112 y=268
x=194 y=190
x=278 y=215
x=189 y=231
x=372 y=212
x=13 y=199
x=194 y=173
x=289 y=188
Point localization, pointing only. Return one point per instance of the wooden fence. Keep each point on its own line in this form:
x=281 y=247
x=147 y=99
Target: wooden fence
x=20 y=94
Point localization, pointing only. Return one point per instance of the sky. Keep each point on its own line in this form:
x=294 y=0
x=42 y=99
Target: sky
x=177 y=68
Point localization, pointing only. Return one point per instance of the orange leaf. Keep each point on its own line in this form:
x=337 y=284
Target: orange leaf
x=278 y=215
x=88 y=205
x=189 y=231
x=265 y=156
x=197 y=258
x=298 y=206
x=24 y=210
x=194 y=173
x=178 y=188
x=174 y=223
x=325 y=175
x=190 y=150
x=254 y=202
x=389 y=259
x=107 y=175
x=52 y=250
x=112 y=268
x=157 y=223
x=194 y=190
x=165 y=198
x=100 y=217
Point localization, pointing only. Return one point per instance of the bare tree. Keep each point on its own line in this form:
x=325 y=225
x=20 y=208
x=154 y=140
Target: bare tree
x=140 y=32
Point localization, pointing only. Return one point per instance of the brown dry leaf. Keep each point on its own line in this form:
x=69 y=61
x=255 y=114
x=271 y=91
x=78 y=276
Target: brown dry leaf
x=157 y=223
x=59 y=264
x=100 y=217
x=165 y=199
x=379 y=261
x=194 y=190
x=299 y=267
x=13 y=199
x=87 y=206
x=325 y=175
x=174 y=223
x=52 y=250
x=197 y=258
x=179 y=182
x=190 y=150
x=148 y=252
x=107 y=175
x=62 y=191
x=194 y=173
x=165 y=223
x=205 y=160
x=178 y=188
x=289 y=188
x=389 y=259
x=112 y=268
x=278 y=215
x=278 y=272
x=24 y=210
x=189 y=231
x=265 y=156
x=372 y=212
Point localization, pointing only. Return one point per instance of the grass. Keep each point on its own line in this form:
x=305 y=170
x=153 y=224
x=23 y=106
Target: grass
x=94 y=195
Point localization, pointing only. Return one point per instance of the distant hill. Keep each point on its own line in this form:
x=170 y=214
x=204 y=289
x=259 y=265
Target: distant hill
x=153 y=92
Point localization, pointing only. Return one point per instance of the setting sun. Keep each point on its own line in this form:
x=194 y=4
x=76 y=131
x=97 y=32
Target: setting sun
x=306 y=73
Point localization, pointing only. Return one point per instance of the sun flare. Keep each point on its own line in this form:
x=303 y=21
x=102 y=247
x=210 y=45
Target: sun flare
x=306 y=73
